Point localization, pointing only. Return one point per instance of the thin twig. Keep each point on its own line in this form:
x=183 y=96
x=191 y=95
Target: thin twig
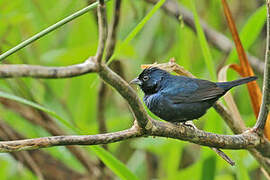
x=217 y=150
x=264 y=161
x=102 y=94
x=224 y=156
x=111 y=42
x=102 y=30
x=265 y=173
x=264 y=109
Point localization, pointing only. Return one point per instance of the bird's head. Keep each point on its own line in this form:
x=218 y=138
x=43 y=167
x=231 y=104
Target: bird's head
x=150 y=79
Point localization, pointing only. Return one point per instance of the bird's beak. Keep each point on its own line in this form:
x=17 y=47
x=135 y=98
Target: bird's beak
x=136 y=81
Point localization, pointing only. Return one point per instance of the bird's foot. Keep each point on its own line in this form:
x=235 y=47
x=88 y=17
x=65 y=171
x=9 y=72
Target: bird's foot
x=251 y=130
x=186 y=123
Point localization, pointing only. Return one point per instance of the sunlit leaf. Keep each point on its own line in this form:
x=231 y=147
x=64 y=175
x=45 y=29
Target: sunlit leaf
x=114 y=164
x=203 y=42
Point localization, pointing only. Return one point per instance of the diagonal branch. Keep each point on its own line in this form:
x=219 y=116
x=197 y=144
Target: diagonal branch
x=128 y=94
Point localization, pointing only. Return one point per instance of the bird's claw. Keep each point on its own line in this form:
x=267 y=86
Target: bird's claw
x=251 y=130
x=184 y=124
x=188 y=125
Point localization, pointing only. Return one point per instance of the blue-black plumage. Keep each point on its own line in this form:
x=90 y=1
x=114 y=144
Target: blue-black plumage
x=180 y=98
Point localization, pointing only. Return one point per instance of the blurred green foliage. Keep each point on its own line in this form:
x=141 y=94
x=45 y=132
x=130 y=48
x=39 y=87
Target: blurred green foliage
x=75 y=99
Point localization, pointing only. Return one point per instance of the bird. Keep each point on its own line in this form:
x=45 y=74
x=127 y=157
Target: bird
x=178 y=99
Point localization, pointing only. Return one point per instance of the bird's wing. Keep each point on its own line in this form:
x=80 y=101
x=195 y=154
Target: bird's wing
x=195 y=91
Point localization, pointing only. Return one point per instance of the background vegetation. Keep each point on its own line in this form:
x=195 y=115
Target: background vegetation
x=75 y=99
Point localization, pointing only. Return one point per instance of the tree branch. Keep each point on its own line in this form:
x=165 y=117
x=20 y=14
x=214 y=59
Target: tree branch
x=264 y=109
x=37 y=143
x=102 y=30
x=128 y=94
x=182 y=132
x=113 y=30
x=161 y=129
x=35 y=71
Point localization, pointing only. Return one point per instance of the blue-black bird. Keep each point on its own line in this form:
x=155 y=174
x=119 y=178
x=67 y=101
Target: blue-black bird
x=180 y=98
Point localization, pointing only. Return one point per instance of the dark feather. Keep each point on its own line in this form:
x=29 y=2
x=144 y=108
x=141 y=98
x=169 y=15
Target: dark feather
x=206 y=90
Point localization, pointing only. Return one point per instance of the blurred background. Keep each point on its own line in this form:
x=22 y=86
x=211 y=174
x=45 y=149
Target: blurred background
x=76 y=99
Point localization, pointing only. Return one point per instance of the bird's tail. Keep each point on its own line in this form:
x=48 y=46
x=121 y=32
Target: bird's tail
x=228 y=85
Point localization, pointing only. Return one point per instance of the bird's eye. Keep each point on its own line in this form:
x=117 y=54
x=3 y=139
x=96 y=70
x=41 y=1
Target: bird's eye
x=145 y=78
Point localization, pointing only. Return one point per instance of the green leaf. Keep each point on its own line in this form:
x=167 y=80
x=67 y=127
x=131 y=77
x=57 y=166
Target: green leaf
x=37 y=106
x=203 y=42
x=209 y=168
x=250 y=31
x=114 y=164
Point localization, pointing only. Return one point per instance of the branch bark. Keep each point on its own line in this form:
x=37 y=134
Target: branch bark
x=128 y=94
x=264 y=109
x=113 y=30
x=11 y=71
x=161 y=129
x=102 y=30
x=37 y=143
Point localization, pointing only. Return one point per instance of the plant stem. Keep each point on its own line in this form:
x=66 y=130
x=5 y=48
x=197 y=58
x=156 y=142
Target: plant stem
x=48 y=30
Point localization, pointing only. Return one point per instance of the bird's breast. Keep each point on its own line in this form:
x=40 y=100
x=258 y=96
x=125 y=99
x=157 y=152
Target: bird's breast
x=157 y=104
